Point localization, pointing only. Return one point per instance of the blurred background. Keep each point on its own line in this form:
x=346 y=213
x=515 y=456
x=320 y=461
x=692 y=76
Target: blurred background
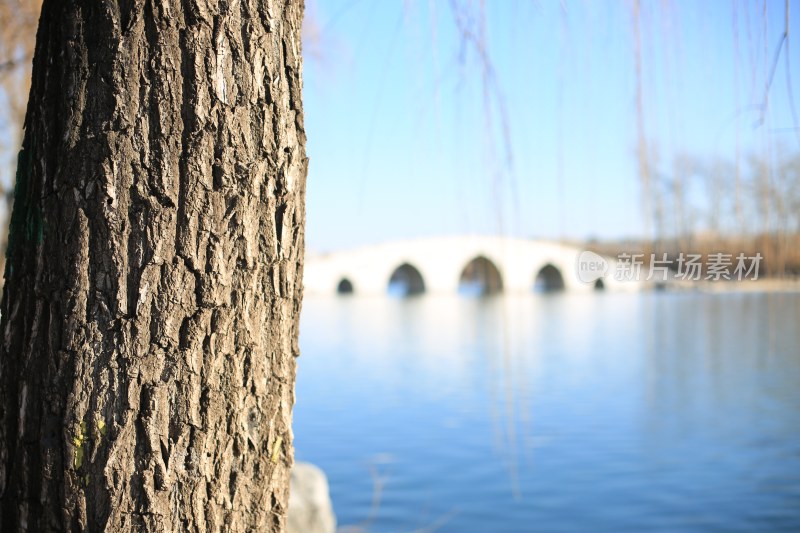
x=456 y=374
x=454 y=385
x=579 y=121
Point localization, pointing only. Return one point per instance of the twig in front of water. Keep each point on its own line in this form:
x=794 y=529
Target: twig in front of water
x=377 y=490
x=438 y=523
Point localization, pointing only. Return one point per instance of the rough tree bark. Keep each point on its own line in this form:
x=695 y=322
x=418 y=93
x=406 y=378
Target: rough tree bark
x=153 y=284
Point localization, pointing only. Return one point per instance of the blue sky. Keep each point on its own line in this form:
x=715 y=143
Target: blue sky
x=403 y=143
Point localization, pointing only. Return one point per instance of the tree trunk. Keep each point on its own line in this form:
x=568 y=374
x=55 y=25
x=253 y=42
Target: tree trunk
x=154 y=272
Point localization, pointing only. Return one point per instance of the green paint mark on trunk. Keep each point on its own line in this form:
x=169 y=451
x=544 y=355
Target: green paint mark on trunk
x=27 y=223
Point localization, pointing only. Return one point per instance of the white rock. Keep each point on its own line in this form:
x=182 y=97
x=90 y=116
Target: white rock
x=310 y=508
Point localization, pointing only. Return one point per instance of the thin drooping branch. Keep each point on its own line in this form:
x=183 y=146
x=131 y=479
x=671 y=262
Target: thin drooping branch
x=473 y=36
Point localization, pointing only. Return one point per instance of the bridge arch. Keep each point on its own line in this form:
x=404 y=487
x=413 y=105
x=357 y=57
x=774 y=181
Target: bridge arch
x=548 y=279
x=406 y=280
x=345 y=286
x=480 y=276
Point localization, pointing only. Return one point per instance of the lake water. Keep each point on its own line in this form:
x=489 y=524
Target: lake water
x=564 y=412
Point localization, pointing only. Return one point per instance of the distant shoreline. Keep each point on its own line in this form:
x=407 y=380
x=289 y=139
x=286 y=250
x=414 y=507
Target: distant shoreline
x=760 y=285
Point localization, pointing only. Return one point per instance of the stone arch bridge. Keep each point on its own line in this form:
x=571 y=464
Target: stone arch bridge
x=468 y=264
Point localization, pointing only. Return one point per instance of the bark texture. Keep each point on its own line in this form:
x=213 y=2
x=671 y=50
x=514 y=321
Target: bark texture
x=153 y=283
